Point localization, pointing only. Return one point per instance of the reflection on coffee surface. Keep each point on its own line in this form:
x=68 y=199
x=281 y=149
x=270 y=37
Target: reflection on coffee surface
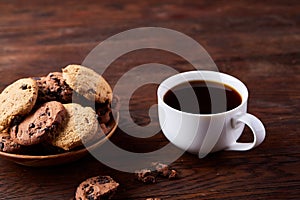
x=202 y=97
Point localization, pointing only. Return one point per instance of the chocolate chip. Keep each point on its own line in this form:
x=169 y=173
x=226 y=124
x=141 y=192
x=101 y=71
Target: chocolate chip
x=91 y=90
x=42 y=114
x=55 y=79
x=90 y=190
x=46 y=129
x=24 y=87
x=31 y=125
x=103 y=180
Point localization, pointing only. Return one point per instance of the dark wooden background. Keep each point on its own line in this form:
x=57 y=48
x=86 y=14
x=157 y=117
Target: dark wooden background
x=256 y=41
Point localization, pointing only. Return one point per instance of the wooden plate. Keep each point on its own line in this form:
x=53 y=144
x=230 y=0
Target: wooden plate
x=57 y=159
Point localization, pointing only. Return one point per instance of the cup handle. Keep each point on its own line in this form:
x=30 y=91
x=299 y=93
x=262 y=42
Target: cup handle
x=256 y=127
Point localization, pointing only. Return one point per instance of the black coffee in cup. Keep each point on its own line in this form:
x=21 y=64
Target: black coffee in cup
x=202 y=97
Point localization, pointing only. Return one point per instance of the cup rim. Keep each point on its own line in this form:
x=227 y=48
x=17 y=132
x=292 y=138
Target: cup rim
x=163 y=83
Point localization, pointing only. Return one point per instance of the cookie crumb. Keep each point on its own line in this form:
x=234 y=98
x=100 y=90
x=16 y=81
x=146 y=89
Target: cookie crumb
x=164 y=170
x=161 y=170
x=173 y=174
x=145 y=176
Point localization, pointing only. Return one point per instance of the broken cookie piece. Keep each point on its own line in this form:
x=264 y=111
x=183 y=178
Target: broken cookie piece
x=96 y=188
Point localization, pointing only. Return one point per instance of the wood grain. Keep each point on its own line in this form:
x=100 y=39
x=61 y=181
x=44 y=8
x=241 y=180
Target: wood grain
x=256 y=41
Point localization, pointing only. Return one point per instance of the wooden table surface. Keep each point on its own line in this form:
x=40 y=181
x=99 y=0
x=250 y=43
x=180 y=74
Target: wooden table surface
x=256 y=41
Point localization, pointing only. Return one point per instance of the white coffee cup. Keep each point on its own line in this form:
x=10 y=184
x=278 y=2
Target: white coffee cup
x=204 y=133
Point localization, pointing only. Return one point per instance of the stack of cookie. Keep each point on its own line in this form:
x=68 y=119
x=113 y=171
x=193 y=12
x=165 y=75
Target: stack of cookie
x=56 y=113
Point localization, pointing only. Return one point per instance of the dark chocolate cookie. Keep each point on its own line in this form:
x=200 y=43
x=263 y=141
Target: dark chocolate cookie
x=39 y=125
x=8 y=145
x=53 y=88
x=95 y=188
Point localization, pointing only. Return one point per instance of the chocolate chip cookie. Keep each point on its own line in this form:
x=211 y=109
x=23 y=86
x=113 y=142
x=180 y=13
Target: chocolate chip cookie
x=99 y=187
x=87 y=83
x=8 y=145
x=80 y=126
x=17 y=99
x=53 y=88
x=39 y=125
